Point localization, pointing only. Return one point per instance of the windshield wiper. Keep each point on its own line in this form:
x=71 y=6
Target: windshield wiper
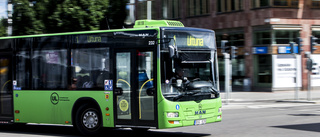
x=185 y=94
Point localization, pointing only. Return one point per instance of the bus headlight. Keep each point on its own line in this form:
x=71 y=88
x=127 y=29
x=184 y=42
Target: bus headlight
x=172 y=114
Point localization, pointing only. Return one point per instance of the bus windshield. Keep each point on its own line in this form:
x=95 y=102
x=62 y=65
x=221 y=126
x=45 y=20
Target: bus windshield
x=191 y=75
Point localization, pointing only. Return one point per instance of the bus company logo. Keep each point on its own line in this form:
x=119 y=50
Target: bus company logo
x=200 y=106
x=200 y=110
x=54 y=98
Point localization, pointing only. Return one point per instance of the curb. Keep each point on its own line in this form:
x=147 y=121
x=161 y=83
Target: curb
x=300 y=101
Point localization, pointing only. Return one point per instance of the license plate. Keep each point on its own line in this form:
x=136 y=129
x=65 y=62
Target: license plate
x=200 y=122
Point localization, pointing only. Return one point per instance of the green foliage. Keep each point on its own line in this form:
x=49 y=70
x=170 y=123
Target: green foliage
x=78 y=15
x=24 y=19
x=52 y=16
x=3 y=27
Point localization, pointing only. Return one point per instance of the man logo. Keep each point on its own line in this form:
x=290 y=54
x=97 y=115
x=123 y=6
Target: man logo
x=200 y=112
x=200 y=106
x=54 y=98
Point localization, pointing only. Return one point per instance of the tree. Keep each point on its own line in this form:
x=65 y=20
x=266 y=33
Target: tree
x=24 y=19
x=80 y=15
x=3 y=27
x=52 y=16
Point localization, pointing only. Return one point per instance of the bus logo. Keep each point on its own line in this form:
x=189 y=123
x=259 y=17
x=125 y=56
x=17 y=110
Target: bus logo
x=200 y=112
x=200 y=106
x=54 y=98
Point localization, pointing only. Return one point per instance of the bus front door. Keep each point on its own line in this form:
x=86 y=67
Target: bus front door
x=6 y=91
x=135 y=88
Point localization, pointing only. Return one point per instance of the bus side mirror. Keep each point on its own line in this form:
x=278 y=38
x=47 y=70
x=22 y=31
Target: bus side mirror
x=173 y=52
x=151 y=91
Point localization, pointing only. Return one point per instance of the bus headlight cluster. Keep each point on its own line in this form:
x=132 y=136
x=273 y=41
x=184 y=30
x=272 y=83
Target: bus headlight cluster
x=172 y=114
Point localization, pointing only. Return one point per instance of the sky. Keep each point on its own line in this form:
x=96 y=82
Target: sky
x=3 y=8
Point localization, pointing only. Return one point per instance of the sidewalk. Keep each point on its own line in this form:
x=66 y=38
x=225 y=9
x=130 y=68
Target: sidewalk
x=281 y=96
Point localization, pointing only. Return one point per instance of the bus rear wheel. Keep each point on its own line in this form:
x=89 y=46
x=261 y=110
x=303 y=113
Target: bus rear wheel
x=88 y=120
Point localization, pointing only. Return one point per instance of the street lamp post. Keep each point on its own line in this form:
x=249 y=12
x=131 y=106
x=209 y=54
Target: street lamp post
x=296 y=93
x=10 y=9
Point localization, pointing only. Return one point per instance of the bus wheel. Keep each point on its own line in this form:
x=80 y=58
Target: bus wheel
x=88 y=120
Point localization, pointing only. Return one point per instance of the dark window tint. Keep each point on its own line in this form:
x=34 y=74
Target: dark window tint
x=90 y=68
x=49 y=69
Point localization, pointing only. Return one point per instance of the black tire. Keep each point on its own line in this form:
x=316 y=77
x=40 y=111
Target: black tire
x=88 y=120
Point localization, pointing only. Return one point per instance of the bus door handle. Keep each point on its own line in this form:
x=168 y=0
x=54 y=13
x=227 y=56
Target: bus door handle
x=118 y=91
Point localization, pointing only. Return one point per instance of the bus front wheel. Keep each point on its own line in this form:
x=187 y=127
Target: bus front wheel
x=88 y=120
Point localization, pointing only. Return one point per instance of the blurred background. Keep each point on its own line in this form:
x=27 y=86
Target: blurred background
x=260 y=29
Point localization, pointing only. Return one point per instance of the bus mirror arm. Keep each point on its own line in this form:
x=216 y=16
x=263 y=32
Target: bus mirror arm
x=151 y=91
x=215 y=92
x=173 y=51
x=118 y=91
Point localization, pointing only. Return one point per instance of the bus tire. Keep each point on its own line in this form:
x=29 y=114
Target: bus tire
x=88 y=120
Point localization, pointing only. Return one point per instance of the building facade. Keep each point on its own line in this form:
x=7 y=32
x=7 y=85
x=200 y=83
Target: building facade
x=262 y=31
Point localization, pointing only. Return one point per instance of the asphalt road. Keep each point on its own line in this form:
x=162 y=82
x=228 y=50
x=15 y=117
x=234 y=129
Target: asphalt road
x=249 y=119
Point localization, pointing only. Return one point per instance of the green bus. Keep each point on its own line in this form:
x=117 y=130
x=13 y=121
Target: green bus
x=158 y=74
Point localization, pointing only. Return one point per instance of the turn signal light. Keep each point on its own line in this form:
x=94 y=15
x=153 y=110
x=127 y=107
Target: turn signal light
x=107 y=114
x=174 y=122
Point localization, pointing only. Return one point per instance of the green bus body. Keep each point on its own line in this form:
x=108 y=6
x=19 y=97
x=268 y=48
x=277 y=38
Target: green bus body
x=36 y=106
x=60 y=106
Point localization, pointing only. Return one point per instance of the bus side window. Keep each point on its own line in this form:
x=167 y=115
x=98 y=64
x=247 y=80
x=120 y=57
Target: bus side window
x=91 y=67
x=49 y=69
x=23 y=69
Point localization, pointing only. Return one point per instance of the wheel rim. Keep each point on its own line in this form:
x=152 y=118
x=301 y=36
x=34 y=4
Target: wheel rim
x=90 y=119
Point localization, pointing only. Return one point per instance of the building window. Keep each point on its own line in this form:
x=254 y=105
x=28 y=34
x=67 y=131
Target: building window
x=286 y=3
x=275 y=3
x=170 y=9
x=260 y=3
x=235 y=39
x=285 y=36
x=262 y=37
x=229 y=5
x=315 y=4
x=198 y=7
x=263 y=68
x=142 y=9
x=268 y=37
x=316 y=34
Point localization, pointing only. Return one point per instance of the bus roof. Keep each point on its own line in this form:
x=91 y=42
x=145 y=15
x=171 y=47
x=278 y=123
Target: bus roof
x=78 y=32
x=139 y=25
